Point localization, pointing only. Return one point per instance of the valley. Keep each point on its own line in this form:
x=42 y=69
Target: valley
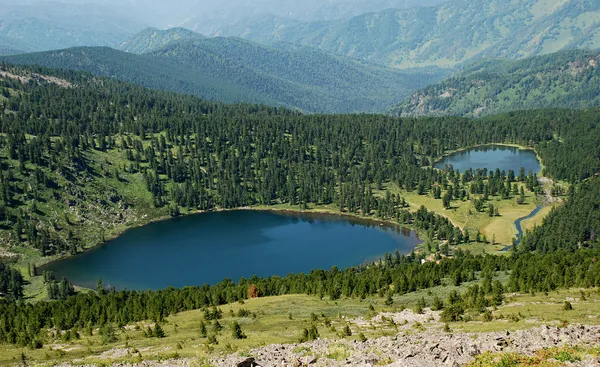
x=292 y=184
x=234 y=70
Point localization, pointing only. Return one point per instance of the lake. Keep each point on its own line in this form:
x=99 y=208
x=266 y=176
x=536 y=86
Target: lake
x=491 y=157
x=207 y=248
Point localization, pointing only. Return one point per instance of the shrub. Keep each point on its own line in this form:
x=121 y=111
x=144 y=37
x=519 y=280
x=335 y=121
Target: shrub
x=347 y=331
x=237 y=332
x=452 y=313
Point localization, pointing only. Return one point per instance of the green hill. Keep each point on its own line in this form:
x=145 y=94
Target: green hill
x=446 y=34
x=235 y=70
x=568 y=79
x=151 y=39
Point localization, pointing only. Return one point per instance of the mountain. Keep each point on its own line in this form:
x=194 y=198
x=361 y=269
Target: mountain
x=216 y=18
x=9 y=47
x=568 y=79
x=151 y=39
x=443 y=35
x=236 y=70
x=49 y=25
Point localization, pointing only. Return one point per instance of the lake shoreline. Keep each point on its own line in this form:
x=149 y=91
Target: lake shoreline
x=317 y=211
x=511 y=145
x=233 y=244
x=43 y=262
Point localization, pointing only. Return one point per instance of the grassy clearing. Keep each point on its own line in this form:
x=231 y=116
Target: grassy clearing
x=464 y=215
x=522 y=311
x=529 y=224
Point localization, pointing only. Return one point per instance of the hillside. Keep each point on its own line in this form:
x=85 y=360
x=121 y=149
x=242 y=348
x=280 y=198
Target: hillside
x=129 y=182
x=84 y=158
x=235 y=70
x=151 y=39
x=443 y=35
x=569 y=79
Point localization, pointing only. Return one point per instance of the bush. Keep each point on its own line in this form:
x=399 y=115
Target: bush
x=237 y=332
x=158 y=331
x=347 y=331
x=212 y=339
x=437 y=304
x=243 y=313
x=213 y=314
x=107 y=334
x=452 y=313
x=389 y=300
x=487 y=316
x=309 y=334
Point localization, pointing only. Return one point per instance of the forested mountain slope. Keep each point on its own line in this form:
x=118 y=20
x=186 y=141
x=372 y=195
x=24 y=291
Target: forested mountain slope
x=85 y=157
x=9 y=46
x=446 y=34
x=568 y=79
x=114 y=154
x=234 y=70
x=151 y=39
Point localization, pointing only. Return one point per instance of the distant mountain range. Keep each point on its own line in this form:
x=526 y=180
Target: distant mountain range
x=236 y=70
x=215 y=18
x=43 y=25
x=55 y=25
x=152 y=39
x=568 y=79
x=444 y=35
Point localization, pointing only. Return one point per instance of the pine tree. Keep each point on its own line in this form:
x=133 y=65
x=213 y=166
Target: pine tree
x=158 y=331
x=203 y=331
x=237 y=331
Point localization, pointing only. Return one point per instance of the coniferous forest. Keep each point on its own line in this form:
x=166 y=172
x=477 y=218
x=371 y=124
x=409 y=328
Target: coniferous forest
x=71 y=144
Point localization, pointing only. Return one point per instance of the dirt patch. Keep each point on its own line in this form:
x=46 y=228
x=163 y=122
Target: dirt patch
x=39 y=78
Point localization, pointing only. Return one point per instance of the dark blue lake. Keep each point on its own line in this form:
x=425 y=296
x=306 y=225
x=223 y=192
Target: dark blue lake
x=207 y=248
x=492 y=157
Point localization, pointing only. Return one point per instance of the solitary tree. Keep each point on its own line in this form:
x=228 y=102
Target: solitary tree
x=446 y=199
x=237 y=332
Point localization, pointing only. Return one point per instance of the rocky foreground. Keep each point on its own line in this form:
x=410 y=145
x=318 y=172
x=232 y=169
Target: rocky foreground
x=419 y=349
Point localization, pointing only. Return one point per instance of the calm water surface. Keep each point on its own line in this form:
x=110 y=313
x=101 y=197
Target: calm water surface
x=492 y=157
x=207 y=248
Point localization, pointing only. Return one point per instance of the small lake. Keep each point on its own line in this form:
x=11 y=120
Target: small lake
x=207 y=248
x=491 y=157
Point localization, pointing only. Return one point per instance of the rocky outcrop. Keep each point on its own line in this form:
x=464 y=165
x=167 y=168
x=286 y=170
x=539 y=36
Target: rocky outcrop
x=420 y=349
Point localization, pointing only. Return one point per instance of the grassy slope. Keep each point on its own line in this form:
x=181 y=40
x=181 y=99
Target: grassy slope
x=271 y=324
x=95 y=219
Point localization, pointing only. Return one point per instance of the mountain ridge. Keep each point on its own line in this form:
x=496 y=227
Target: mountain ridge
x=448 y=34
x=566 y=79
x=153 y=38
x=236 y=70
